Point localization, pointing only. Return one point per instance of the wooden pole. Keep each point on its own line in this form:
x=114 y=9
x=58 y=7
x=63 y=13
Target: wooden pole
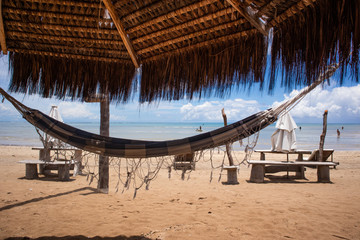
x=103 y=184
x=227 y=146
x=322 y=136
x=124 y=36
x=323 y=172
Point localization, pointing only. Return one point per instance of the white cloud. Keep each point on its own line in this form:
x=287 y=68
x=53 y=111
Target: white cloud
x=75 y=110
x=235 y=109
x=342 y=103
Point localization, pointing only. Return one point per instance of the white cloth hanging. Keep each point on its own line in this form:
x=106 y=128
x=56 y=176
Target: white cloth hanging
x=284 y=138
x=54 y=113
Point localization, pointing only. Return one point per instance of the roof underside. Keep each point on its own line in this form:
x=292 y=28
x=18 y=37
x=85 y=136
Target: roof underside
x=183 y=48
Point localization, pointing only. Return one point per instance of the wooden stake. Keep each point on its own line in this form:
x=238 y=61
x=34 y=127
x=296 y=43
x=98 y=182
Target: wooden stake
x=322 y=136
x=103 y=184
x=227 y=146
x=110 y=7
x=323 y=172
x=2 y=32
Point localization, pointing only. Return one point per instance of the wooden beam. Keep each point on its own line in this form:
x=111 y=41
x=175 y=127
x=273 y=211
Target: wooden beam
x=67 y=3
x=69 y=41
x=201 y=44
x=254 y=21
x=44 y=28
x=290 y=12
x=187 y=37
x=266 y=8
x=110 y=7
x=191 y=23
x=73 y=49
x=170 y=15
x=2 y=32
x=56 y=15
x=69 y=55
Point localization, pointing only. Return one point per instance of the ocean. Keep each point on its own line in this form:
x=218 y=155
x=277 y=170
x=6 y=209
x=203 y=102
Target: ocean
x=21 y=133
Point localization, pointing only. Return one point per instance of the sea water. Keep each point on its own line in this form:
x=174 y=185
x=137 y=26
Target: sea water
x=21 y=133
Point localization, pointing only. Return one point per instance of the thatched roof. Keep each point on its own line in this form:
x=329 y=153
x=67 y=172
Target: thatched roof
x=183 y=48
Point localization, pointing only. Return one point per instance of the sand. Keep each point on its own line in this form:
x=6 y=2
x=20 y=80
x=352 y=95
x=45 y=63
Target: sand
x=181 y=209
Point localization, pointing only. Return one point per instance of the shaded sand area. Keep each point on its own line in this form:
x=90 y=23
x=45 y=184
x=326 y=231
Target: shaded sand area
x=177 y=209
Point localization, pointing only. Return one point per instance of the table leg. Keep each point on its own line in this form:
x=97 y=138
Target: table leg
x=257 y=173
x=323 y=173
x=63 y=172
x=78 y=162
x=232 y=176
x=31 y=171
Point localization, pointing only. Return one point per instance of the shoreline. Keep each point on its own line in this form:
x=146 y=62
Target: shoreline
x=40 y=145
x=194 y=208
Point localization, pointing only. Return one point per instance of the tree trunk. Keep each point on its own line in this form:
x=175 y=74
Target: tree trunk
x=227 y=146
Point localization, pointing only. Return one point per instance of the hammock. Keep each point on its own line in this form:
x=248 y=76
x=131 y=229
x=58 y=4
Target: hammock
x=128 y=148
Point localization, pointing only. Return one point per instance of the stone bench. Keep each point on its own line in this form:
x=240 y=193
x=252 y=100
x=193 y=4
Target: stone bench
x=258 y=168
x=63 y=168
x=184 y=162
x=231 y=174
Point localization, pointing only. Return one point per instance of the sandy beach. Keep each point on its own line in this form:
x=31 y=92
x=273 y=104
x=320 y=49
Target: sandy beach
x=193 y=208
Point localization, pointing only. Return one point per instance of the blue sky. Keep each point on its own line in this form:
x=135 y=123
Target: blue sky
x=342 y=102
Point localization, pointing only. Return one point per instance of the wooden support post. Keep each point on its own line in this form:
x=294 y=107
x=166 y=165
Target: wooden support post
x=103 y=184
x=323 y=172
x=2 y=32
x=322 y=137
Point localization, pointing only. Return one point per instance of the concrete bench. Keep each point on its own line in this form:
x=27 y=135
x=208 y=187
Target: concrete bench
x=184 y=162
x=63 y=168
x=258 y=168
x=231 y=174
x=59 y=153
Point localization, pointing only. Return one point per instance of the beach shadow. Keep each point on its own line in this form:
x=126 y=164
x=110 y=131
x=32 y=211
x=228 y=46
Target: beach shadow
x=47 y=197
x=50 y=178
x=227 y=183
x=80 y=237
x=284 y=179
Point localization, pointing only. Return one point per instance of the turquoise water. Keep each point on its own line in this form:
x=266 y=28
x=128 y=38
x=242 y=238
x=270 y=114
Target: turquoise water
x=23 y=134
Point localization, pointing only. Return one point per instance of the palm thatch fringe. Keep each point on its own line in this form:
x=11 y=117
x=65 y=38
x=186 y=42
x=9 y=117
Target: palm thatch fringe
x=199 y=60
x=323 y=34
x=204 y=71
x=61 y=77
